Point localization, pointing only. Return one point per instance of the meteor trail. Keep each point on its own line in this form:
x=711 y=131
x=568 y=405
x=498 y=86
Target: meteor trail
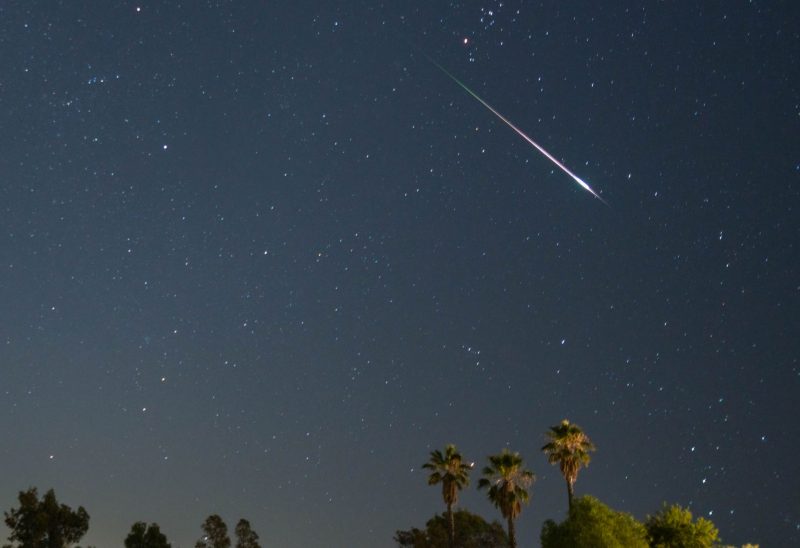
x=519 y=131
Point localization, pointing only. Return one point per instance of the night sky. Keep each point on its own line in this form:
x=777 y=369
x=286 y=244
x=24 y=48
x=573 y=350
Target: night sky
x=258 y=259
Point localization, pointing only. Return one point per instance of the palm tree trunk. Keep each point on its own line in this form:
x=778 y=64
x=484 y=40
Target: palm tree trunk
x=570 y=492
x=451 y=529
x=512 y=541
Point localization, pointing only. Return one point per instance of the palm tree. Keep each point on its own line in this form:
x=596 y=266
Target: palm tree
x=448 y=469
x=508 y=482
x=570 y=448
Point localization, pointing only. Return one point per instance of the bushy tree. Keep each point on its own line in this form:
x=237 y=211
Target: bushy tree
x=452 y=472
x=472 y=531
x=672 y=527
x=45 y=523
x=245 y=536
x=592 y=523
x=144 y=536
x=215 y=533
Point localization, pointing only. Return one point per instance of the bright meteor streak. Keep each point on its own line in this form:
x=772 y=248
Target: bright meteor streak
x=520 y=132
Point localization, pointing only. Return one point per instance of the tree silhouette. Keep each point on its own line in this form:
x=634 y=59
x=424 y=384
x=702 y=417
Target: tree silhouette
x=45 y=523
x=142 y=536
x=472 y=531
x=508 y=482
x=569 y=446
x=448 y=469
x=216 y=533
x=245 y=536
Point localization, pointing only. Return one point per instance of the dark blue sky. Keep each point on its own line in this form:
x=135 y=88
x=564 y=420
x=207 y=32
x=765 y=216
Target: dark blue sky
x=258 y=259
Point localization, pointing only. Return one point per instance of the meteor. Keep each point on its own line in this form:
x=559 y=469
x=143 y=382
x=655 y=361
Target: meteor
x=536 y=145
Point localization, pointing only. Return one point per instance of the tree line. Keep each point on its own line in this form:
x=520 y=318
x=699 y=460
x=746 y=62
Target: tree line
x=44 y=523
x=507 y=482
